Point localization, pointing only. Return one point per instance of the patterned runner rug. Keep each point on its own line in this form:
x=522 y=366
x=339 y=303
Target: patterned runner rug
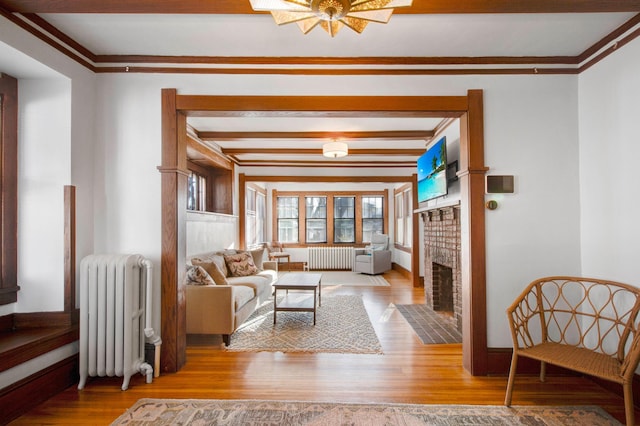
x=342 y=326
x=161 y=412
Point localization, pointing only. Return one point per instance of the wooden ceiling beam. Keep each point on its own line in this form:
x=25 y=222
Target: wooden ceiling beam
x=198 y=152
x=307 y=151
x=380 y=135
x=244 y=7
x=320 y=106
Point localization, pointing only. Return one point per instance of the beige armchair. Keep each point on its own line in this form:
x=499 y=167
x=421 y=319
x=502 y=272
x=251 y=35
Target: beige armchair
x=375 y=258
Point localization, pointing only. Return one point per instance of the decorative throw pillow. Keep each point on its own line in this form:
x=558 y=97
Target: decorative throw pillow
x=241 y=264
x=258 y=256
x=216 y=258
x=213 y=270
x=196 y=275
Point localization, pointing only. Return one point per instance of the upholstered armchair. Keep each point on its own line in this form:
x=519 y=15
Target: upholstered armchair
x=374 y=258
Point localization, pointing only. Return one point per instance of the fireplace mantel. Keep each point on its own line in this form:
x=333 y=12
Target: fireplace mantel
x=444 y=205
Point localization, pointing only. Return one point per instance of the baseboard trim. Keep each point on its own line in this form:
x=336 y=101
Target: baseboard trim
x=499 y=363
x=405 y=272
x=22 y=396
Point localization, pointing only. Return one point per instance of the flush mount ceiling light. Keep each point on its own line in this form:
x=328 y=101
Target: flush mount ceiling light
x=335 y=149
x=331 y=15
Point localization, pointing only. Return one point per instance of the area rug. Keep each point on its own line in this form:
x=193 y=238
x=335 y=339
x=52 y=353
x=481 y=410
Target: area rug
x=349 y=278
x=162 y=412
x=342 y=326
x=430 y=327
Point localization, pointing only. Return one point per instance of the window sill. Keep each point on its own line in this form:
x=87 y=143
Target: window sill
x=17 y=347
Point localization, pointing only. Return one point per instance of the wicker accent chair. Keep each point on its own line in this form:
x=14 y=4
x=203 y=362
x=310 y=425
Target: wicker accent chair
x=582 y=324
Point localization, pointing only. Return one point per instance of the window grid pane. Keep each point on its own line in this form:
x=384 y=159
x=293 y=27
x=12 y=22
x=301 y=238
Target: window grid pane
x=287 y=219
x=316 y=222
x=370 y=227
x=344 y=220
x=408 y=228
x=399 y=208
x=196 y=192
x=261 y=214
x=372 y=217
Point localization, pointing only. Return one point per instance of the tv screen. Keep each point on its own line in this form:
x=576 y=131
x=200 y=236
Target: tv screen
x=432 y=172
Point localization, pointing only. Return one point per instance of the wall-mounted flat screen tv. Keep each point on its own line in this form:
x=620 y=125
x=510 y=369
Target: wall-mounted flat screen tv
x=432 y=172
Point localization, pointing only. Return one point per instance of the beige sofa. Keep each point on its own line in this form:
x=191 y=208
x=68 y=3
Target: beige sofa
x=214 y=308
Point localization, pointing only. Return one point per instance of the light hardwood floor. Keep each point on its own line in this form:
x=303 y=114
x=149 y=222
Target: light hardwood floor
x=408 y=372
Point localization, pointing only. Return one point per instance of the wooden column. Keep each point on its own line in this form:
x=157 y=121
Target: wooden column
x=174 y=202
x=9 y=196
x=474 y=288
x=70 y=253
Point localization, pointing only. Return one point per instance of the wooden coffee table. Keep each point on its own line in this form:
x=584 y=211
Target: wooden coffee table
x=298 y=281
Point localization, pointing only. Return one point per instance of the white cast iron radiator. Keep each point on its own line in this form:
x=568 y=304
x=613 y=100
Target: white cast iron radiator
x=115 y=316
x=330 y=258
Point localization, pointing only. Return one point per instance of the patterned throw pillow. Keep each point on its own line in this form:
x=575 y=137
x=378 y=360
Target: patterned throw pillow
x=213 y=270
x=196 y=275
x=241 y=264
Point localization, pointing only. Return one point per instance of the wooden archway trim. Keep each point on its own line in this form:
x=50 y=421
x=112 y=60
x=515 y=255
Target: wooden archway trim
x=469 y=108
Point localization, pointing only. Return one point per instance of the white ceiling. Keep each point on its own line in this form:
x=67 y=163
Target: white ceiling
x=424 y=36
x=405 y=35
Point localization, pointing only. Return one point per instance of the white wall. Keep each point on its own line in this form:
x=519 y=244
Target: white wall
x=609 y=153
x=44 y=161
x=452 y=133
x=530 y=131
x=56 y=132
x=522 y=243
x=210 y=232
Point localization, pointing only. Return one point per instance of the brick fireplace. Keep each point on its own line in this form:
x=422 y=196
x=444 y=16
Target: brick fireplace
x=442 y=274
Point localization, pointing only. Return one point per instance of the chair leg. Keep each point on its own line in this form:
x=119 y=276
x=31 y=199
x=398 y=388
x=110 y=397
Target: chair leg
x=512 y=376
x=543 y=371
x=226 y=338
x=628 y=403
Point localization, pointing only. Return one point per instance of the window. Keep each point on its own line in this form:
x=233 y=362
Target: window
x=250 y=223
x=372 y=217
x=287 y=210
x=316 y=219
x=261 y=215
x=196 y=192
x=328 y=217
x=9 y=183
x=399 y=208
x=404 y=223
x=344 y=219
x=255 y=216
